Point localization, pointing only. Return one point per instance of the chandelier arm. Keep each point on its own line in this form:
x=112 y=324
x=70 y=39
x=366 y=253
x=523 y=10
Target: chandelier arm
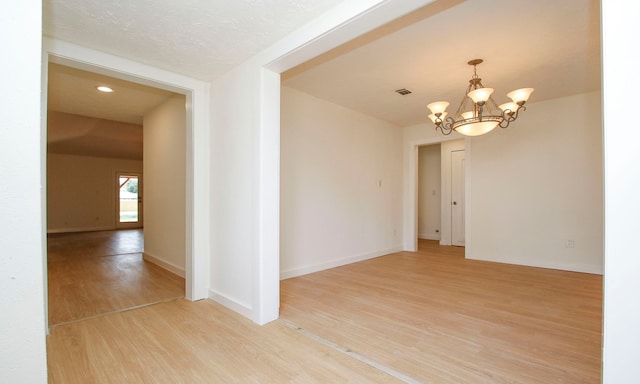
x=446 y=125
x=507 y=117
x=505 y=122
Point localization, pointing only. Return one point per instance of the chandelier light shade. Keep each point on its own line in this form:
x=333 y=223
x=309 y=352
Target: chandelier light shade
x=478 y=113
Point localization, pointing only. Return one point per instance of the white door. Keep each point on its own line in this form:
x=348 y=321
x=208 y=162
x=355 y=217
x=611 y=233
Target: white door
x=457 y=198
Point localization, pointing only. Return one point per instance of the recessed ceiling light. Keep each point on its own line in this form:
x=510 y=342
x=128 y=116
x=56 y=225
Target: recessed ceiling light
x=102 y=88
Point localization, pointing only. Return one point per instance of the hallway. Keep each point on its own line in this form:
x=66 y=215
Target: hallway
x=95 y=273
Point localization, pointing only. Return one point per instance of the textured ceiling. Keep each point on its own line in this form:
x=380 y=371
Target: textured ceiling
x=198 y=38
x=552 y=46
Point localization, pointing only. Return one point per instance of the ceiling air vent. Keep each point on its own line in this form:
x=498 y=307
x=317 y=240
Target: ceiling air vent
x=403 y=91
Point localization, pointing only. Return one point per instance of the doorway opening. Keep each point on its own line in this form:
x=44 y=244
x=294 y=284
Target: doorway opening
x=129 y=200
x=440 y=206
x=195 y=103
x=429 y=192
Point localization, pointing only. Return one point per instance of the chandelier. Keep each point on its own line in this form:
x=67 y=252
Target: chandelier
x=478 y=114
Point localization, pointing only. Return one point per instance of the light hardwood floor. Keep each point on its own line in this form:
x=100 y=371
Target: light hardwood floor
x=441 y=318
x=93 y=273
x=430 y=316
x=194 y=342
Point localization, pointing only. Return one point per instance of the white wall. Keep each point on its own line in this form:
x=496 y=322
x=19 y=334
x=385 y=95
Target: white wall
x=531 y=186
x=341 y=185
x=164 y=178
x=81 y=191
x=429 y=192
x=537 y=184
x=233 y=195
x=245 y=163
x=622 y=183
x=22 y=322
x=426 y=131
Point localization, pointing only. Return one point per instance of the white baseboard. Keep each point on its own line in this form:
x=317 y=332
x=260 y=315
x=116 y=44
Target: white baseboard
x=80 y=229
x=581 y=268
x=426 y=236
x=233 y=305
x=336 y=263
x=165 y=265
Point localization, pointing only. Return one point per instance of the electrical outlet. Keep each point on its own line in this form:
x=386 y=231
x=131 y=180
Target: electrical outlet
x=569 y=243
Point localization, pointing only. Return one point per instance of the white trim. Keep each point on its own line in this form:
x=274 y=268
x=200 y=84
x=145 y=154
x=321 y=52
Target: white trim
x=621 y=312
x=266 y=287
x=80 y=229
x=231 y=304
x=44 y=81
x=344 y=22
x=426 y=236
x=411 y=188
x=572 y=267
x=163 y=264
x=198 y=175
x=446 y=237
x=338 y=262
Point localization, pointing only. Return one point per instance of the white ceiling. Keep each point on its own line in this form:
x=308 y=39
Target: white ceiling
x=199 y=38
x=552 y=46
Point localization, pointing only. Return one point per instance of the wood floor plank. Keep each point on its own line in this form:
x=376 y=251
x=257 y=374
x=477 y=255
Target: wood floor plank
x=194 y=342
x=93 y=273
x=431 y=315
x=441 y=318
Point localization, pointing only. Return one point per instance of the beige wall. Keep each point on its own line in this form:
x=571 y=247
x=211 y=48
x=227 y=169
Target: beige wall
x=164 y=194
x=341 y=185
x=533 y=186
x=538 y=184
x=81 y=191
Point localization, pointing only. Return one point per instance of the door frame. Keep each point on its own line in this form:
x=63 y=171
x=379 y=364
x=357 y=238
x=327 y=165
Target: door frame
x=451 y=196
x=198 y=221
x=410 y=242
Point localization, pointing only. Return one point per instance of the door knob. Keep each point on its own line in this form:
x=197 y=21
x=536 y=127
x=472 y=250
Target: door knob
x=455 y=203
